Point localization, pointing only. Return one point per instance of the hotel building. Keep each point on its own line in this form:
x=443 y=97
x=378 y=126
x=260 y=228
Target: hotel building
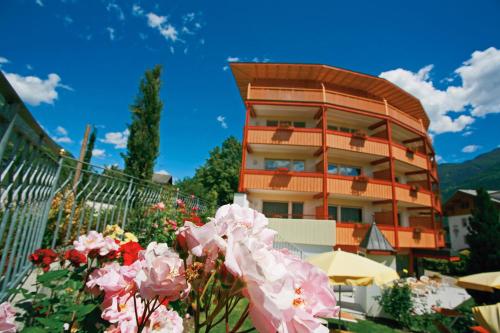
x=330 y=154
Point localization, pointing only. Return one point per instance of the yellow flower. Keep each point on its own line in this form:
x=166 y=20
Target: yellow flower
x=129 y=237
x=405 y=271
x=113 y=231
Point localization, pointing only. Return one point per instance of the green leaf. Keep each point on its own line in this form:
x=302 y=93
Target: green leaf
x=54 y=325
x=33 y=330
x=52 y=275
x=82 y=310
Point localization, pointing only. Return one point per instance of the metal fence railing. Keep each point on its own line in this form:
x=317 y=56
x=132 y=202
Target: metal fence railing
x=42 y=203
x=280 y=243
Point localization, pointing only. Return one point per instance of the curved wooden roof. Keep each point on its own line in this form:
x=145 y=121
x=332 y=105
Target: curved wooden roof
x=245 y=73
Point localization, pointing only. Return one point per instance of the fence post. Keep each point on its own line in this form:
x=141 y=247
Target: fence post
x=129 y=193
x=49 y=202
x=6 y=136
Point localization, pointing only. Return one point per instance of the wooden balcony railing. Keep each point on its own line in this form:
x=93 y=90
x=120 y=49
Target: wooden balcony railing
x=335 y=99
x=289 y=181
x=413 y=158
x=418 y=197
x=351 y=234
x=276 y=136
x=345 y=141
x=373 y=189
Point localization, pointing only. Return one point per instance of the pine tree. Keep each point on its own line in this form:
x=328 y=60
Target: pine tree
x=484 y=235
x=144 y=140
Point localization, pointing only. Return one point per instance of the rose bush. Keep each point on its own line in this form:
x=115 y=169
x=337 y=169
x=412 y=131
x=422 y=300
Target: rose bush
x=110 y=283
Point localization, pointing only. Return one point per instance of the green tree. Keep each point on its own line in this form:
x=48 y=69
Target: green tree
x=217 y=180
x=484 y=235
x=144 y=140
x=90 y=146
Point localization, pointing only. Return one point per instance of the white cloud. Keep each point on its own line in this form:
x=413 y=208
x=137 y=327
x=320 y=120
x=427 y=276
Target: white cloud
x=67 y=20
x=222 y=121
x=470 y=148
x=477 y=96
x=155 y=21
x=63 y=139
x=169 y=32
x=162 y=172
x=137 y=10
x=34 y=90
x=3 y=60
x=113 y=7
x=233 y=59
x=225 y=68
x=439 y=159
x=29 y=67
x=119 y=139
x=61 y=130
x=467 y=133
x=39 y=3
x=111 y=32
x=98 y=153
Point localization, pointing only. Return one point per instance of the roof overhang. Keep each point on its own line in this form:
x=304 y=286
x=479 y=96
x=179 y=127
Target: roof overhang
x=245 y=73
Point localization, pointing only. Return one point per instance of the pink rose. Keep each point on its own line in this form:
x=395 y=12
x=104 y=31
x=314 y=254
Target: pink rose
x=159 y=206
x=95 y=242
x=7 y=318
x=164 y=321
x=162 y=273
x=201 y=240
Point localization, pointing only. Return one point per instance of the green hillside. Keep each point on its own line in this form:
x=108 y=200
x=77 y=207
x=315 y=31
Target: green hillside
x=482 y=171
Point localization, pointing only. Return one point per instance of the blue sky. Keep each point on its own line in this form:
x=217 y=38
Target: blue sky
x=76 y=62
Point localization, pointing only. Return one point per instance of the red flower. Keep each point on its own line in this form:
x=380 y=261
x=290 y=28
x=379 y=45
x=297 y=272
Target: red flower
x=130 y=252
x=76 y=258
x=43 y=258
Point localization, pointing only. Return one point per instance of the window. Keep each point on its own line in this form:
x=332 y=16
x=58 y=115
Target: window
x=332 y=212
x=294 y=165
x=275 y=209
x=342 y=129
x=297 y=210
x=276 y=123
x=349 y=214
x=343 y=170
x=464 y=222
x=298 y=166
x=332 y=168
x=349 y=171
x=345 y=129
x=333 y=128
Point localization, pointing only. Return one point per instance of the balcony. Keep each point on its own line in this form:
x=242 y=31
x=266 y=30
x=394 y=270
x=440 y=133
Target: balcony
x=335 y=99
x=351 y=234
x=283 y=181
x=284 y=136
x=404 y=155
x=413 y=195
x=348 y=186
x=348 y=142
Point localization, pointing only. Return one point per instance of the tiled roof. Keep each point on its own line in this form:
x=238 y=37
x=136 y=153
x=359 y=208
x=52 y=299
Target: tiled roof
x=375 y=241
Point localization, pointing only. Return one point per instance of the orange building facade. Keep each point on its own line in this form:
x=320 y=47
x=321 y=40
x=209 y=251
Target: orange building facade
x=324 y=143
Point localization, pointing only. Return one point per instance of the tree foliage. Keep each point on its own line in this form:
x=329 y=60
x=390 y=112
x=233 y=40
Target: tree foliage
x=217 y=180
x=484 y=235
x=144 y=140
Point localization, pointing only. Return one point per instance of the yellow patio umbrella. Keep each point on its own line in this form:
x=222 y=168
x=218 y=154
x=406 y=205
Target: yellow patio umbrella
x=482 y=281
x=349 y=269
x=488 y=316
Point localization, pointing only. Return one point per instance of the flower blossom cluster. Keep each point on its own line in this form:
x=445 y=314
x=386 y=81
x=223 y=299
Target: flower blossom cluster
x=285 y=293
x=7 y=318
x=153 y=278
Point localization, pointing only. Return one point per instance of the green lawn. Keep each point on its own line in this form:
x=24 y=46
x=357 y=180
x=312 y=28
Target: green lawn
x=366 y=326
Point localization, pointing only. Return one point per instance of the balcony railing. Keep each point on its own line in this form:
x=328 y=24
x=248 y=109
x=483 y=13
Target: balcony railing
x=368 y=145
x=335 y=99
x=288 y=181
x=346 y=185
x=402 y=154
x=351 y=234
x=278 y=136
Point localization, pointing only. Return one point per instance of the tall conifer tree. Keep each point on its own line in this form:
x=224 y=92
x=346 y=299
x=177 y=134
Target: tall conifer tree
x=144 y=139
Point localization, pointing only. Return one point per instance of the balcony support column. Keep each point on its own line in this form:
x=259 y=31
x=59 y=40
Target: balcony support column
x=429 y=185
x=325 y=162
x=241 y=185
x=393 y=185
